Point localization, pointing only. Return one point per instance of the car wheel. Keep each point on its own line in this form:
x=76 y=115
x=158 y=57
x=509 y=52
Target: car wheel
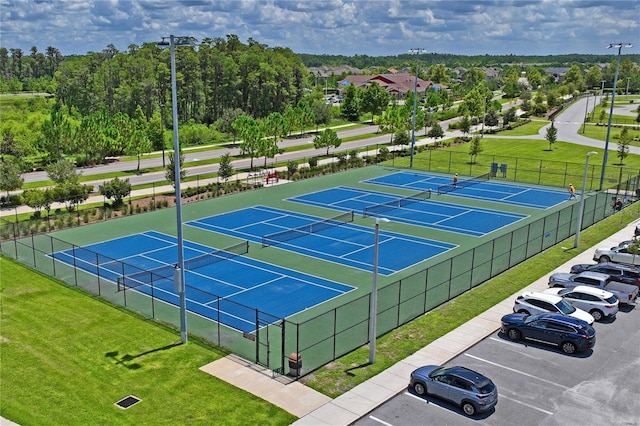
x=604 y=259
x=597 y=315
x=568 y=347
x=514 y=334
x=420 y=389
x=468 y=408
x=523 y=311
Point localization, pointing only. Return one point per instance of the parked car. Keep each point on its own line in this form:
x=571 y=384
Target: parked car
x=618 y=254
x=570 y=334
x=470 y=390
x=533 y=302
x=600 y=304
x=620 y=272
x=626 y=294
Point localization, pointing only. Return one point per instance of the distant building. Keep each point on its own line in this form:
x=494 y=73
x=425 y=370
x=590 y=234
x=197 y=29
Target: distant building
x=557 y=73
x=397 y=84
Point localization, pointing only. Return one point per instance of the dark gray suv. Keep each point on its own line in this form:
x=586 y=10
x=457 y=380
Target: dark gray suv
x=620 y=272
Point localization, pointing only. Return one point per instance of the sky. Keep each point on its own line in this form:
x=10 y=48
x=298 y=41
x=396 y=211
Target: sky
x=332 y=27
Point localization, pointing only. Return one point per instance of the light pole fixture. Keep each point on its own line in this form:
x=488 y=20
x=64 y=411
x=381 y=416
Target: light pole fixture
x=613 y=97
x=373 y=309
x=178 y=276
x=581 y=209
x=417 y=51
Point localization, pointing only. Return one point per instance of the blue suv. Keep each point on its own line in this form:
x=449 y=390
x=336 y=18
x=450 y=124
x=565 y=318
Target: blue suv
x=571 y=335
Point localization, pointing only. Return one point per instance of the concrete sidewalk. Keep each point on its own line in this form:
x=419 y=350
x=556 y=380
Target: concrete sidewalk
x=313 y=408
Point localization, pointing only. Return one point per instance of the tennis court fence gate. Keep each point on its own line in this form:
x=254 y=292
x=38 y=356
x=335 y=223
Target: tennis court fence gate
x=314 y=340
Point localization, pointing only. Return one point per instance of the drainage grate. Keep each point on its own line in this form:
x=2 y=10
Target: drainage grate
x=127 y=402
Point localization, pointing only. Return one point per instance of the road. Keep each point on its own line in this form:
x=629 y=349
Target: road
x=569 y=124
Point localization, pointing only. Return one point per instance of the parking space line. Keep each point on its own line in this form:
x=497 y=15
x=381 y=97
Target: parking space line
x=375 y=419
x=517 y=371
x=426 y=401
x=525 y=404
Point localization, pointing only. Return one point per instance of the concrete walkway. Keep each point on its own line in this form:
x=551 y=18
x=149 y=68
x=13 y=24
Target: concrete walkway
x=316 y=409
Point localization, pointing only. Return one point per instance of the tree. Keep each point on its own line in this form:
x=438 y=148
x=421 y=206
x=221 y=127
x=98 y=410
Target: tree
x=116 y=189
x=374 y=99
x=10 y=178
x=225 y=122
x=350 y=104
x=225 y=168
x=509 y=116
x=475 y=148
x=623 y=145
x=137 y=142
x=170 y=173
x=435 y=131
x=327 y=139
x=62 y=171
x=251 y=134
x=37 y=199
x=465 y=125
x=402 y=137
x=552 y=135
x=155 y=133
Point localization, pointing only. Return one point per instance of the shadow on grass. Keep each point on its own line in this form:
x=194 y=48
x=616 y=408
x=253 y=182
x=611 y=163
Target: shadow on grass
x=127 y=358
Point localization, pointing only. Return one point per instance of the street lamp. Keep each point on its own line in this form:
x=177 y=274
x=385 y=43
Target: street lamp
x=581 y=209
x=484 y=112
x=586 y=113
x=178 y=276
x=417 y=51
x=374 y=294
x=613 y=97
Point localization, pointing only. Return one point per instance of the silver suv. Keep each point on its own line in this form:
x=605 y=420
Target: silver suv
x=464 y=387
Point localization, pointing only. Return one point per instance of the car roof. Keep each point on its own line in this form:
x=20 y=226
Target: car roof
x=561 y=319
x=592 y=290
x=596 y=275
x=551 y=298
x=466 y=373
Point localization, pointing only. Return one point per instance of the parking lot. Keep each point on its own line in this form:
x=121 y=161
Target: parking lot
x=539 y=385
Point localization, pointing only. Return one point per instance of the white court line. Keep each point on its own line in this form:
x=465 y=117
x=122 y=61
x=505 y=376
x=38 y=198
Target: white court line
x=518 y=371
x=525 y=404
x=380 y=421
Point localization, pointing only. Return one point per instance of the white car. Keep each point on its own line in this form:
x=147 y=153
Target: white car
x=599 y=303
x=533 y=303
x=618 y=254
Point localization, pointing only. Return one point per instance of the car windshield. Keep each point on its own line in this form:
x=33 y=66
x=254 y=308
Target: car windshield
x=565 y=308
x=437 y=372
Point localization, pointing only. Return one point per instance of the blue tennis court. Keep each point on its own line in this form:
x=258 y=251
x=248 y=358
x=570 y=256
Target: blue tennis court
x=338 y=242
x=466 y=220
x=519 y=195
x=228 y=291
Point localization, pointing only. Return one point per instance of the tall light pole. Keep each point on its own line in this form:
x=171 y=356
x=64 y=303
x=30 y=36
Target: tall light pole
x=417 y=51
x=373 y=309
x=178 y=276
x=484 y=112
x=613 y=98
x=586 y=112
x=581 y=209
x=627 y=91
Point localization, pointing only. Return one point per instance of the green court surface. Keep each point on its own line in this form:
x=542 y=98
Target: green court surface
x=339 y=325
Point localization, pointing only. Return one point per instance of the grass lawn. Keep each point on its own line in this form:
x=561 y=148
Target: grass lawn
x=68 y=357
x=594 y=131
x=353 y=368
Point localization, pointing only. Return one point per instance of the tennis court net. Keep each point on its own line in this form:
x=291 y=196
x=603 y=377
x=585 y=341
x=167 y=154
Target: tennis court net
x=166 y=272
x=312 y=228
x=394 y=204
x=444 y=189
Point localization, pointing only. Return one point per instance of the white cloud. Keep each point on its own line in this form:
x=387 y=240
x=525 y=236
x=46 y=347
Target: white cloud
x=372 y=27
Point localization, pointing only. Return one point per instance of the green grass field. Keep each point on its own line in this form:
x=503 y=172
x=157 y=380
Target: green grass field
x=68 y=357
